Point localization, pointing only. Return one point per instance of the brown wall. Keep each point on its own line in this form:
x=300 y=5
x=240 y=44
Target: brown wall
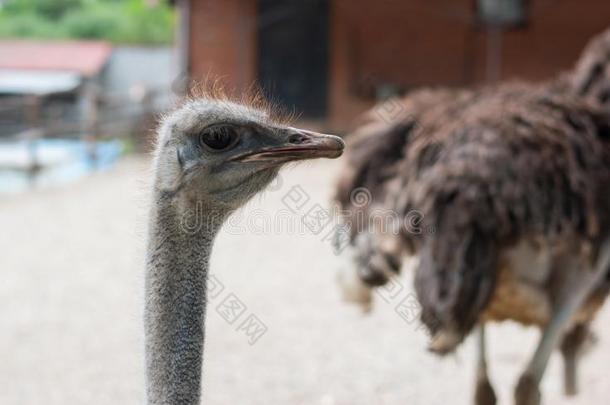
x=554 y=39
x=223 y=41
x=402 y=42
x=409 y=43
x=415 y=43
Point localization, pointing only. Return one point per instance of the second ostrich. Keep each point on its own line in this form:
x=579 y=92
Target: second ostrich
x=212 y=156
x=512 y=180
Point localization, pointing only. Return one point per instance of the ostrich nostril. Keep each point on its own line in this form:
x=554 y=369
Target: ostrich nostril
x=298 y=139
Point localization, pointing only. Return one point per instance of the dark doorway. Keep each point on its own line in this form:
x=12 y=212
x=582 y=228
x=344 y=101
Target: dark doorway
x=293 y=54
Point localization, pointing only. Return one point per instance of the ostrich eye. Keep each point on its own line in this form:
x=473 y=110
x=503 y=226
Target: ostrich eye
x=218 y=138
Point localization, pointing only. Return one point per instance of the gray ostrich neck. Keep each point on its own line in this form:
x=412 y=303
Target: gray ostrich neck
x=180 y=242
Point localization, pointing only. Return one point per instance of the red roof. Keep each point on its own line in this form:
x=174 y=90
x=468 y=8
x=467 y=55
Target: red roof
x=84 y=57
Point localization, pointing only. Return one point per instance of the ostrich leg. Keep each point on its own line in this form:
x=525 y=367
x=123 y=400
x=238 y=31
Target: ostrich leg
x=484 y=392
x=571 y=348
x=527 y=391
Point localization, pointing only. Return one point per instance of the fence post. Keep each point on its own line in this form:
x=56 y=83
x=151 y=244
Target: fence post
x=32 y=135
x=91 y=122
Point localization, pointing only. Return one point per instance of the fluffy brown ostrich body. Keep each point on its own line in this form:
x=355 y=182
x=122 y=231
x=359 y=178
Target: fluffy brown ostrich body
x=513 y=180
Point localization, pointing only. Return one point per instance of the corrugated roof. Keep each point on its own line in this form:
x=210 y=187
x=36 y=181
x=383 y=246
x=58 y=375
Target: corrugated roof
x=37 y=81
x=83 y=57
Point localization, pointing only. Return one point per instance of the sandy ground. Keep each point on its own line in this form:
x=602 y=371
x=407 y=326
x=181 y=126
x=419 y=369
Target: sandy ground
x=71 y=306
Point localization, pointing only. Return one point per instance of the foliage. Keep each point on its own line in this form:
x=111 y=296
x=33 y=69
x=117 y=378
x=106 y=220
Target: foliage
x=127 y=21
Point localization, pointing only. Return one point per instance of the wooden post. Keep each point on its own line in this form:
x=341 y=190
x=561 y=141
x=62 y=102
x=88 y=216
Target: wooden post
x=91 y=122
x=493 y=65
x=32 y=135
x=145 y=121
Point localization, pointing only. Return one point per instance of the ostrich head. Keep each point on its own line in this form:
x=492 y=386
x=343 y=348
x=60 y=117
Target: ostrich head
x=223 y=153
x=212 y=155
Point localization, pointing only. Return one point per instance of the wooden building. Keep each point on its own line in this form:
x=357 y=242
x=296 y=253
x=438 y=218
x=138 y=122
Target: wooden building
x=331 y=59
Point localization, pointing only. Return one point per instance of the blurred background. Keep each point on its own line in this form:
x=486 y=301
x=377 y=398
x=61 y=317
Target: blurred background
x=82 y=84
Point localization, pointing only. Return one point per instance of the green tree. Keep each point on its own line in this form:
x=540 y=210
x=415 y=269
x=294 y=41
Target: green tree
x=120 y=21
x=51 y=9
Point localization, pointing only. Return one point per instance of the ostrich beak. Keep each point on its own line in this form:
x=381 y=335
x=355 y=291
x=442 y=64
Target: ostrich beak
x=298 y=145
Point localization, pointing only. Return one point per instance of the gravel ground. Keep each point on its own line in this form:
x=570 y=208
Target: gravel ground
x=71 y=306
